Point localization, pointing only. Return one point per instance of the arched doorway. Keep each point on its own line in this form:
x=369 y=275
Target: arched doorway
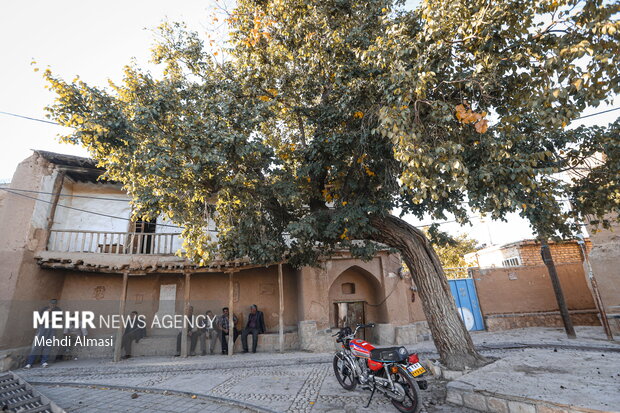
x=355 y=296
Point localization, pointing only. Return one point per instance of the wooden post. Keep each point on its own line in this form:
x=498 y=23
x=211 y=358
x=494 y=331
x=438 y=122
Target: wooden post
x=121 y=311
x=597 y=295
x=281 y=313
x=185 y=314
x=231 y=315
x=57 y=188
x=557 y=288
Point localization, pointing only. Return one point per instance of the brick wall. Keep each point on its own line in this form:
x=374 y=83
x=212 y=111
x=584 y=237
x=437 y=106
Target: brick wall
x=562 y=253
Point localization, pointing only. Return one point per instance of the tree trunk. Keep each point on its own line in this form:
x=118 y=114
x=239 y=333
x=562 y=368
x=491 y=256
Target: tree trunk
x=451 y=338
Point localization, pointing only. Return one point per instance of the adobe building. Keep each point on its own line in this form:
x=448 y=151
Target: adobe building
x=604 y=259
x=66 y=234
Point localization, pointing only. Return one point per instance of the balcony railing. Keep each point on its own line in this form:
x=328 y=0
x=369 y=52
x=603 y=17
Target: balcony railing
x=105 y=242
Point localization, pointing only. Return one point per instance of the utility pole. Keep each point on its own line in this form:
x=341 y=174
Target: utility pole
x=597 y=295
x=557 y=288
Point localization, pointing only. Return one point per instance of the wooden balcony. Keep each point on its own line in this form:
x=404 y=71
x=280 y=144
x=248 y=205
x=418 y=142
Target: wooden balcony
x=118 y=252
x=117 y=243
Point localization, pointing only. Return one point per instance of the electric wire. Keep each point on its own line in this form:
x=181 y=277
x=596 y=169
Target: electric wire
x=83 y=210
x=15 y=191
x=68 y=195
x=58 y=124
x=29 y=118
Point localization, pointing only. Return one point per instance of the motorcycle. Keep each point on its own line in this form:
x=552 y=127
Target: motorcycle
x=392 y=370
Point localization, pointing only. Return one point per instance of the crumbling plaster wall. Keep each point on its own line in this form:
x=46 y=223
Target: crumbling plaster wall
x=605 y=260
x=24 y=286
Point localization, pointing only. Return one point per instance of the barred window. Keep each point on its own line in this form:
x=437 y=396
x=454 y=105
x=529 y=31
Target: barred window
x=511 y=262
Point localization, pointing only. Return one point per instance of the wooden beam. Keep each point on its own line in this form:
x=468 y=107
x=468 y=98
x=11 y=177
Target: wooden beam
x=185 y=313
x=598 y=300
x=281 y=313
x=231 y=315
x=121 y=311
x=56 y=189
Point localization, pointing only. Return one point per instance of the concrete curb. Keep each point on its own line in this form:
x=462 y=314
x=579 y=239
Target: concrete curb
x=463 y=394
x=221 y=400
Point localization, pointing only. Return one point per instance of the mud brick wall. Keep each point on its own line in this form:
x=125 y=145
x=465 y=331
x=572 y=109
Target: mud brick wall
x=523 y=296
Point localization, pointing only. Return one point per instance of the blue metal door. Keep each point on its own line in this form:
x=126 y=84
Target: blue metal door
x=464 y=293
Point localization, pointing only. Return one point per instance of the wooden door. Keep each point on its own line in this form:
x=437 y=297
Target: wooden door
x=350 y=314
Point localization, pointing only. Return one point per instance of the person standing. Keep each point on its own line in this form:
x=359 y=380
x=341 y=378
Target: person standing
x=224 y=325
x=39 y=348
x=133 y=331
x=255 y=326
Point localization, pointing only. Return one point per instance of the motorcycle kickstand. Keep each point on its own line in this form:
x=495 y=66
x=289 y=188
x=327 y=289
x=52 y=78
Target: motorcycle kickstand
x=374 y=387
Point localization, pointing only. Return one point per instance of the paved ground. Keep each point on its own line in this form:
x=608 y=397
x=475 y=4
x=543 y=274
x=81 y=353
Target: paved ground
x=295 y=382
x=580 y=379
x=99 y=399
x=290 y=382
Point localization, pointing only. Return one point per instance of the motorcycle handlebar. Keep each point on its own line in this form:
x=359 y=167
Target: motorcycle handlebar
x=369 y=325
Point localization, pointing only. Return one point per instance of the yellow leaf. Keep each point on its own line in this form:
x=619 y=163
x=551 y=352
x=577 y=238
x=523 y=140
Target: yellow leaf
x=482 y=126
x=264 y=98
x=577 y=83
x=358 y=115
x=524 y=206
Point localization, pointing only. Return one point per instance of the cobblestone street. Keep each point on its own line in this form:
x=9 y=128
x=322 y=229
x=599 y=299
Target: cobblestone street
x=280 y=383
x=95 y=399
x=262 y=382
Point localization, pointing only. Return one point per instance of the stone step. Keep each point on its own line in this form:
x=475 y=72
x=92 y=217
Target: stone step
x=11 y=396
x=17 y=395
x=29 y=399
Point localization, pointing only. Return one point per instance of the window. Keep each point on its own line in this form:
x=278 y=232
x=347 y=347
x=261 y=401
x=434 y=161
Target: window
x=348 y=288
x=511 y=262
x=144 y=239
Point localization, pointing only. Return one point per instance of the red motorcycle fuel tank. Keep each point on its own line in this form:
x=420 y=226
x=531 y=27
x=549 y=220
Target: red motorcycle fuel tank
x=361 y=348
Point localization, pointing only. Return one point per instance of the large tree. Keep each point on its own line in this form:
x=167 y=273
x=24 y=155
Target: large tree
x=324 y=117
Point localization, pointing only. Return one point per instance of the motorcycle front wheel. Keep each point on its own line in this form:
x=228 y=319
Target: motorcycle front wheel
x=344 y=373
x=413 y=401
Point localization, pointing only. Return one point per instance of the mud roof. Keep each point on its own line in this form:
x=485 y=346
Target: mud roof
x=78 y=168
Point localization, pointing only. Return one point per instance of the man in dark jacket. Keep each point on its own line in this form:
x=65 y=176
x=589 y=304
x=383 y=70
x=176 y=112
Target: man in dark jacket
x=255 y=326
x=133 y=331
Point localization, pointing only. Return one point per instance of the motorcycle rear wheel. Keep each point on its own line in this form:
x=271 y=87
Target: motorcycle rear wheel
x=413 y=399
x=344 y=373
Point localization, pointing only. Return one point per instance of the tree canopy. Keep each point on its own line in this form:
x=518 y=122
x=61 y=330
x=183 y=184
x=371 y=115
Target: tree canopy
x=327 y=113
x=326 y=116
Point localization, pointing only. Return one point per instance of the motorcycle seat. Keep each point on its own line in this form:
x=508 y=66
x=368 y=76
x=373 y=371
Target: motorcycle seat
x=389 y=354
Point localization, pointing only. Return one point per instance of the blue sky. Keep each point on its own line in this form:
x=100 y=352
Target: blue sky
x=95 y=40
